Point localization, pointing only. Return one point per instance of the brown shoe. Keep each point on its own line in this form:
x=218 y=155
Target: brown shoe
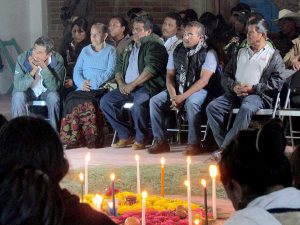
x=193 y=149
x=159 y=146
x=138 y=146
x=122 y=143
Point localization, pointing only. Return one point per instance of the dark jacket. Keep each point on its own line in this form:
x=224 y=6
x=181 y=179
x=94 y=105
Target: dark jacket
x=77 y=213
x=270 y=82
x=153 y=58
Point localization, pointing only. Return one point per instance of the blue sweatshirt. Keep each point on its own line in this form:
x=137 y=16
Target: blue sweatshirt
x=97 y=67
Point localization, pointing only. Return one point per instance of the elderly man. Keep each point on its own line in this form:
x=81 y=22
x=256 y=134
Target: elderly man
x=140 y=74
x=170 y=28
x=189 y=69
x=251 y=80
x=39 y=75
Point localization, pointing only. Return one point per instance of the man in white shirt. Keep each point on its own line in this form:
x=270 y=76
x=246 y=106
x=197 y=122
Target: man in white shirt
x=170 y=28
x=251 y=80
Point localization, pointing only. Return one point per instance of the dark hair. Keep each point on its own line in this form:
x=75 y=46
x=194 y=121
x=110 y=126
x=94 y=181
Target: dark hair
x=198 y=25
x=175 y=16
x=27 y=196
x=261 y=25
x=123 y=22
x=45 y=42
x=3 y=120
x=256 y=159
x=146 y=20
x=82 y=24
x=33 y=142
x=242 y=18
x=295 y=163
x=241 y=7
x=133 y=12
x=256 y=15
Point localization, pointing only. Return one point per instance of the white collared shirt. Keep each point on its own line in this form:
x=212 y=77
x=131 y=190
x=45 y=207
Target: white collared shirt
x=250 y=65
x=171 y=43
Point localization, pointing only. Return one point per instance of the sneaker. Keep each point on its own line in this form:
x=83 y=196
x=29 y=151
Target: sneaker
x=159 y=146
x=122 y=143
x=138 y=146
x=193 y=149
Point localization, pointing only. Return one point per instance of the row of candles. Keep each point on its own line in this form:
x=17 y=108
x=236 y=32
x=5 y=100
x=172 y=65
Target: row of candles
x=213 y=171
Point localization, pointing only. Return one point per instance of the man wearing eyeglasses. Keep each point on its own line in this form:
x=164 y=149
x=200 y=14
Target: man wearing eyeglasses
x=189 y=70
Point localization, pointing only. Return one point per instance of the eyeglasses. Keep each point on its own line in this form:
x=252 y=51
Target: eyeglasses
x=188 y=35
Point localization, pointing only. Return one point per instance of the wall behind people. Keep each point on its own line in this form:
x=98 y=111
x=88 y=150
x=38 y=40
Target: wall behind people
x=23 y=20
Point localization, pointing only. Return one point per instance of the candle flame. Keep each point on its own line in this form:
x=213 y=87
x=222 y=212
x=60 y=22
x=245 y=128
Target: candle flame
x=213 y=171
x=87 y=157
x=112 y=176
x=81 y=177
x=188 y=160
x=186 y=183
x=137 y=158
x=203 y=182
x=144 y=194
x=97 y=201
x=197 y=221
x=162 y=160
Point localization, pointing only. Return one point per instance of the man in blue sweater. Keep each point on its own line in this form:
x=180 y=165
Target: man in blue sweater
x=140 y=74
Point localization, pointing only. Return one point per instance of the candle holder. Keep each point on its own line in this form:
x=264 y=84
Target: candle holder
x=110 y=209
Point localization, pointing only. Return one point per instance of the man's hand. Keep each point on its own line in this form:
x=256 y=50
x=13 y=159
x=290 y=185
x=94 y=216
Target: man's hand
x=296 y=65
x=34 y=67
x=128 y=88
x=86 y=86
x=68 y=83
x=237 y=89
x=177 y=101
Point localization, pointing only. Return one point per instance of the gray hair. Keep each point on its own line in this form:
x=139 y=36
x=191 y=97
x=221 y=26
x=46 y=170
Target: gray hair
x=198 y=25
x=102 y=27
x=261 y=25
x=146 y=20
x=45 y=42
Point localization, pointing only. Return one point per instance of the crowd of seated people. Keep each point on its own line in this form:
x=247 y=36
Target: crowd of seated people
x=244 y=64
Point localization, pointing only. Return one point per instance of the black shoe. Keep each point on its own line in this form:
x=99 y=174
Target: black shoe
x=159 y=146
x=193 y=149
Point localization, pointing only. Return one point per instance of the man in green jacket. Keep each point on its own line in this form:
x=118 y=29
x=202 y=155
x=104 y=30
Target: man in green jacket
x=140 y=74
x=39 y=75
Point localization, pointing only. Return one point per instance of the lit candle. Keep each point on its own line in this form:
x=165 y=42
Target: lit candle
x=189 y=198
x=97 y=201
x=86 y=185
x=203 y=182
x=112 y=177
x=197 y=222
x=188 y=169
x=162 y=190
x=138 y=177
x=213 y=172
x=81 y=178
x=144 y=196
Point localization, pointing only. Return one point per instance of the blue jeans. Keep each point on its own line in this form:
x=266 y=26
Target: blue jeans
x=111 y=106
x=160 y=102
x=52 y=99
x=216 y=110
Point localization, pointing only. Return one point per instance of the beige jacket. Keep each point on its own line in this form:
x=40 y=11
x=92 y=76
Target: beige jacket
x=293 y=54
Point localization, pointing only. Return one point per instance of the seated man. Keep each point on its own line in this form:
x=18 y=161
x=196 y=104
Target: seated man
x=170 y=28
x=189 y=69
x=140 y=74
x=39 y=75
x=251 y=80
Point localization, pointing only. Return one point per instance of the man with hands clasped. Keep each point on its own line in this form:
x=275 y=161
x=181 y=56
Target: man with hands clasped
x=39 y=75
x=251 y=81
x=190 y=67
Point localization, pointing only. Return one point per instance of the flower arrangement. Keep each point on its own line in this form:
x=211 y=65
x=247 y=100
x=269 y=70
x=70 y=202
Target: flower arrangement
x=159 y=210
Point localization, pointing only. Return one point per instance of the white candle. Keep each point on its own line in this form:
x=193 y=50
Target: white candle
x=189 y=198
x=86 y=185
x=144 y=196
x=97 y=201
x=188 y=169
x=213 y=172
x=138 y=176
x=112 y=177
x=81 y=178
